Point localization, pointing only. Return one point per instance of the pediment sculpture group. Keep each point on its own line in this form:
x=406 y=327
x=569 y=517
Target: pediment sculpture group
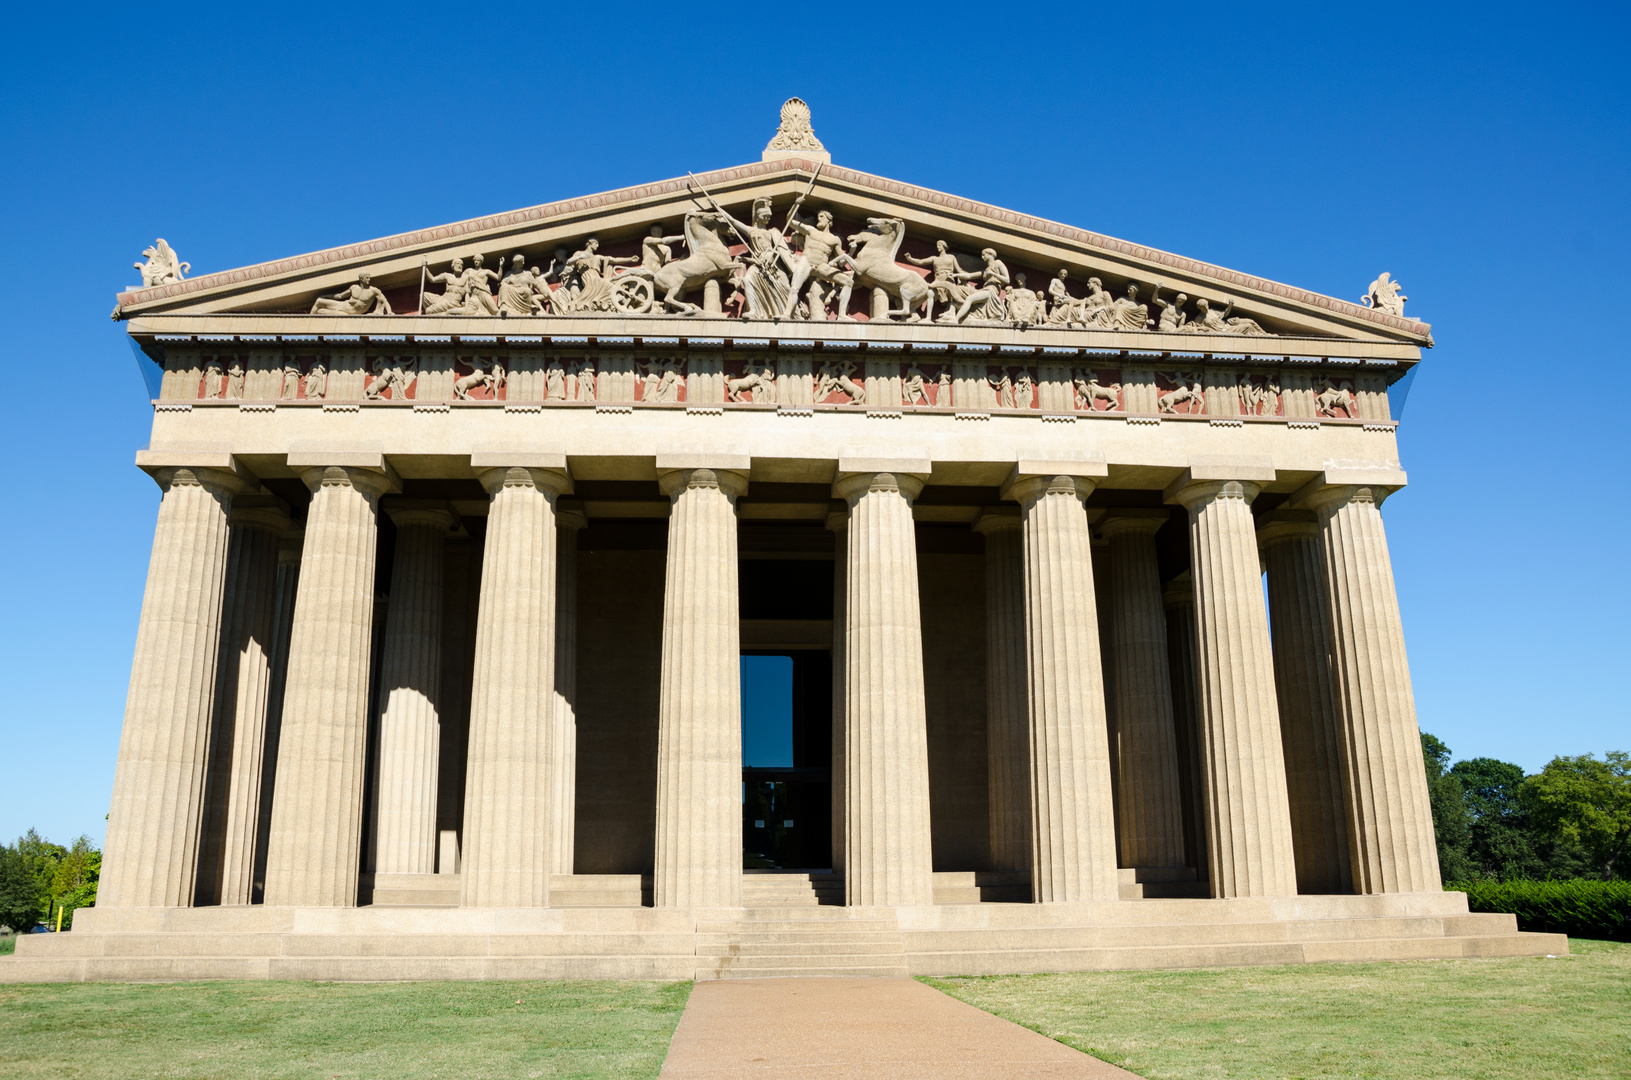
x=801 y=271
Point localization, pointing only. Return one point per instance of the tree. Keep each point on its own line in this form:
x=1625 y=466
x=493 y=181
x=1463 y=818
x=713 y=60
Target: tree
x=74 y=884
x=1501 y=840
x=19 y=896
x=1587 y=802
x=1449 y=811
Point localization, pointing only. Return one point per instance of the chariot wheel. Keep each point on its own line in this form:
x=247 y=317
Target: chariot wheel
x=632 y=295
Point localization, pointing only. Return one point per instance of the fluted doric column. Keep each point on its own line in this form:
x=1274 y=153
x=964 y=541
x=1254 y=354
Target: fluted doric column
x=507 y=829
x=564 y=742
x=888 y=858
x=838 y=522
x=699 y=733
x=1310 y=723
x=1007 y=707
x=410 y=679
x=1390 y=823
x=1248 y=821
x=316 y=837
x=1073 y=850
x=1179 y=600
x=151 y=855
x=1151 y=800
x=242 y=687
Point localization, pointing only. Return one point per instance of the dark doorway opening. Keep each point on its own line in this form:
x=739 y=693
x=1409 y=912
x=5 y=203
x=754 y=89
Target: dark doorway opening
x=787 y=759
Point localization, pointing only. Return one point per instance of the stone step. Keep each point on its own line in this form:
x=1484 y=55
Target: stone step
x=808 y=972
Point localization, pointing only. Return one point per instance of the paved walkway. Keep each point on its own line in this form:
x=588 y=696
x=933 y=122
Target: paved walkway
x=859 y=1029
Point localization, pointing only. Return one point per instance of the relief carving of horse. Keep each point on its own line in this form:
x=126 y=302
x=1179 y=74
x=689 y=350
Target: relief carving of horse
x=709 y=259
x=875 y=267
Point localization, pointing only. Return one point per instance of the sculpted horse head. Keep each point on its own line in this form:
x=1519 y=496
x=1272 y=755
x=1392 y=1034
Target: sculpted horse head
x=710 y=258
x=877 y=269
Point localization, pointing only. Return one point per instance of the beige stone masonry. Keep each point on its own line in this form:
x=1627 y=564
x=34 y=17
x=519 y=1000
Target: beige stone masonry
x=699 y=735
x=564 y=741
x=1151 y=818
x=505 y=862
x=242 y=688
x=1390 y=824
x=1310 y=721
x=1073 y=849
x=888 y=857
x=1008 y=736
x=1248 y=818
x=409 y=686
x=317 y=805
x=151 y=855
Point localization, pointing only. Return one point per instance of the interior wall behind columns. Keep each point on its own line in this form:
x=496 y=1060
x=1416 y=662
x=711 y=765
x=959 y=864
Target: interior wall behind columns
x=951 y=580
x=620 y=638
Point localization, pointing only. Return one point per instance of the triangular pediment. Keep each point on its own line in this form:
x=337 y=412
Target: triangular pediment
x=1026 y=245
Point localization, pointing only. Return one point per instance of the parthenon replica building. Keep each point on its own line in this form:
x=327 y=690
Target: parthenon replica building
x=464 y=533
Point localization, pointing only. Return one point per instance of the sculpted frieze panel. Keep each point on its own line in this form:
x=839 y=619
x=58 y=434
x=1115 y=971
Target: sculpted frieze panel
x=1181 y=393
x=1097 y=390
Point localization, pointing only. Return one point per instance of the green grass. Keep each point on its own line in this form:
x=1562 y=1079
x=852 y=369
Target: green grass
x=391 y=1031
x=8 y=944
x=1422 y=1020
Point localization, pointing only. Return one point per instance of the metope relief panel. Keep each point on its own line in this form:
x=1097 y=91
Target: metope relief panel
x=659 y=381
x=751 y=380
x=391 y=378
x=839 y=382
x=926 y=386
x=1335 y=399
x=1097 y=390
x=1012 y=387
x=1258 y=394
x=480 y=378
x=1180 y=393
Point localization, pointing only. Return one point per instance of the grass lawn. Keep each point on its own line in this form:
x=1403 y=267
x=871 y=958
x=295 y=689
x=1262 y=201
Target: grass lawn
x=399 y=1031
x=1422 y=1019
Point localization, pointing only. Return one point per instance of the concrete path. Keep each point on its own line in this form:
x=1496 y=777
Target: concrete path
x=859 y=1029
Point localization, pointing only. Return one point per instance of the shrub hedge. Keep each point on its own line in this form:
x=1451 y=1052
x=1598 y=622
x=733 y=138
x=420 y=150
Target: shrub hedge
x=1588 y=909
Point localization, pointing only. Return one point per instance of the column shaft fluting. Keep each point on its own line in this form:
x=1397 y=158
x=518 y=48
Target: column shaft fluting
x=699 y=735
x=1310 y=722
x=242 y=686
x=158 y=787
x=315 y=842
x=1007 y=705
x=839 y=524
x=888 y=858
x=1151 y=800
x=1390 y=823
x=507 y=830
x=1073 y=850
x=288 y=586
x=564 y=742
x=1179 y=600
x=1248 y=821
x=409 y=688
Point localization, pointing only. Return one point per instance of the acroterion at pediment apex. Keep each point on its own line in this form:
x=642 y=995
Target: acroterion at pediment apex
x=795 y=138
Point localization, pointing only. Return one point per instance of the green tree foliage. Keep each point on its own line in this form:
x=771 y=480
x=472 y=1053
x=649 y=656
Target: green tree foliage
x=1587 y=803
x=1501 y=840
x=19 y=895
x=1450 y=818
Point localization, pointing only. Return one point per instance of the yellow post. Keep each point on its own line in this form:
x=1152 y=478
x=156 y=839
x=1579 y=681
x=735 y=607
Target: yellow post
x=59 y=920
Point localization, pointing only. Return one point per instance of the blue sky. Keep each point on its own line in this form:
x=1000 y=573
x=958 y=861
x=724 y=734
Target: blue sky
x=1477 y=152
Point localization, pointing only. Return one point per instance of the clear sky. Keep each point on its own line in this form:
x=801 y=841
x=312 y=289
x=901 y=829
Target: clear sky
x=1477 y=152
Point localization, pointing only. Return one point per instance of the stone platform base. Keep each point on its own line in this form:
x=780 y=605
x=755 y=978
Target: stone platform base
x=775 y=939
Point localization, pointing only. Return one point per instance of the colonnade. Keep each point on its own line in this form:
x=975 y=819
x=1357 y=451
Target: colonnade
x=1302 y=756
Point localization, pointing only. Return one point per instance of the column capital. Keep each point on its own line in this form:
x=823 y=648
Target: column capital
x=216 y=471
x=996 y=518
x=260 y=511
x=838 y=519
x=1191 y=493
x=1330 y=490
x=1278 y=526
x=1133 y=522
x=1031 y=478
x=571 y=516
x=371 y=482
x=850 y=486
x=676 y=479
x=291 y=548
x=423 y=513
x=1179 y=592
x=550 y=481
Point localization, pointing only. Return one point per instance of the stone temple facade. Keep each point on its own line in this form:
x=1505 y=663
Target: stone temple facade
x=464 y=532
